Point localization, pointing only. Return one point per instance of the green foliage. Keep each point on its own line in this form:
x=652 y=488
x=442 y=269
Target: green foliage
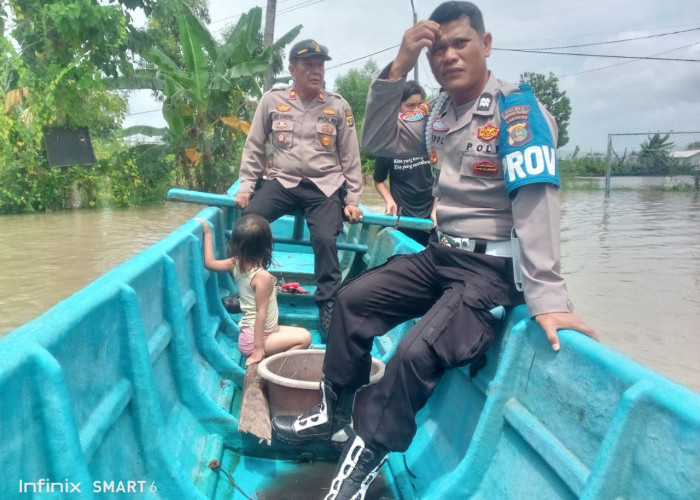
x=367 y=162
x=141 y=174
x=655 y=155
x=354 y=85
x=557 y=103
x=28 y=186
x=207 y=92
x=162 y=28
x=61 y=65
x=52 y=65
x=653 y=159
x=586 y=166
x=62 y=33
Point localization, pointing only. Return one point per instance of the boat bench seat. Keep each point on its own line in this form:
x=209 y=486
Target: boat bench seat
x=112 y=379
x=584 y=422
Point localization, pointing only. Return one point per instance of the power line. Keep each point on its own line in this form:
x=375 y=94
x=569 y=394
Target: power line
x=617 y=41
x=433 y=86
x=363 y=57
x=547 y=50
x=298 y=6
x=627 y=62
x=538 y=51
x=291 y=8
x=647 y=58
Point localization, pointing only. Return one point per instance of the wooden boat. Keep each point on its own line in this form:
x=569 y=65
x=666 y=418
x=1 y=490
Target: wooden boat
x=132 y=387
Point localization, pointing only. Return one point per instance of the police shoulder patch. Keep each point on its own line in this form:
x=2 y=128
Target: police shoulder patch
x=412 y=116
x=525 y=142
x=516 y=121
x=349 y=119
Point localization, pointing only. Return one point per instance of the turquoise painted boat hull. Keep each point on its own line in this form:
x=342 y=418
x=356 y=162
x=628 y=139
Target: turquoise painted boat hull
x=131 y=387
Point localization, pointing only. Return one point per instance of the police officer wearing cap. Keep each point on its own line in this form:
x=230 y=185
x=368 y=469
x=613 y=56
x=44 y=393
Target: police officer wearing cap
x=316 y=164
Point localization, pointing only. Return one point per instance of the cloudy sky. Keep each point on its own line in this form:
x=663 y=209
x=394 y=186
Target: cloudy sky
x=608 y=95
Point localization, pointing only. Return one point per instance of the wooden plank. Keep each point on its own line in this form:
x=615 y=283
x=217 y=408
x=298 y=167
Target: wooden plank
x=255 y=410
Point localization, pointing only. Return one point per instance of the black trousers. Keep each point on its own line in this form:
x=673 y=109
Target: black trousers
x=422 y=237
x=324 y=216
x=452 y=291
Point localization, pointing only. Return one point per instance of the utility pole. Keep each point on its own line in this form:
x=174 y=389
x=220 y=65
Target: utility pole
x=608 y=167
x=415 y=20
x=269 y=38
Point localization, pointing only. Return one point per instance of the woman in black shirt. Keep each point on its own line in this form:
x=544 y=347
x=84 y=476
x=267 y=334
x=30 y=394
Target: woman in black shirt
x=409 y=193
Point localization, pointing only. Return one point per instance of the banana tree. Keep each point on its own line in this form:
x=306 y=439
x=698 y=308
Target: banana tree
x=207 y=97
x=655 y=154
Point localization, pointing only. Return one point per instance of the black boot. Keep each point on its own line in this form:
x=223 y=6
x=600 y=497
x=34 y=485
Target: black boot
x=325 y=313
x=357 y=468
x=331 y=420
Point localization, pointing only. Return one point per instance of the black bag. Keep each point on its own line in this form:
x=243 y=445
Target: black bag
x=232 y=303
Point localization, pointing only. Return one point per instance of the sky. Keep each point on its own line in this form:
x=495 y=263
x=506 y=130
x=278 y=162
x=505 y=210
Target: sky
x=608 y=95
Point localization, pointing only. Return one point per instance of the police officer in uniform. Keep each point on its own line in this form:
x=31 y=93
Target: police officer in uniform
x=493 y=147
x=316 y=164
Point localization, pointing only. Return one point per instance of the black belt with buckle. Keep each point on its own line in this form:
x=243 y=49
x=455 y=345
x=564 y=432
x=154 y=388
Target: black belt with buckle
x=476 y=245
x=496 y=248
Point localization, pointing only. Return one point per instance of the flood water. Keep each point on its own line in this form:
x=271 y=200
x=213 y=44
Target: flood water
x=46 y=257
x=632 y=265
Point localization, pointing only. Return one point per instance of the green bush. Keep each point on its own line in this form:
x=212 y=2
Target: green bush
x=140 y=175
x=28 y=184
x=587 y=166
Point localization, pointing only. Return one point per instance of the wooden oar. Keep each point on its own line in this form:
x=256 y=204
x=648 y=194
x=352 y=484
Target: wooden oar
x=255 y=410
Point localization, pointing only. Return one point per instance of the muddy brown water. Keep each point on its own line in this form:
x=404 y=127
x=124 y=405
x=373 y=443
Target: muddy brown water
x=632 y=265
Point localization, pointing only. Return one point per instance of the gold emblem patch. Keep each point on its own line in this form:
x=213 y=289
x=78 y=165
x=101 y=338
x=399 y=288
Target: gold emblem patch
x=349 y=119
x=326 y=141
x=487 y=133
x=329 y=111
x=519 y=134
x=283 y=107
x=433 y=157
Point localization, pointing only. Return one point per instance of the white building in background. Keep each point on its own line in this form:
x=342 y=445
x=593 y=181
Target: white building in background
x=139 y=139
x=691 y=156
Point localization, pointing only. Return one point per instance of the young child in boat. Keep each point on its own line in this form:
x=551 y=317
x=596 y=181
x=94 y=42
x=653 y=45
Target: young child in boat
x=250 y=248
